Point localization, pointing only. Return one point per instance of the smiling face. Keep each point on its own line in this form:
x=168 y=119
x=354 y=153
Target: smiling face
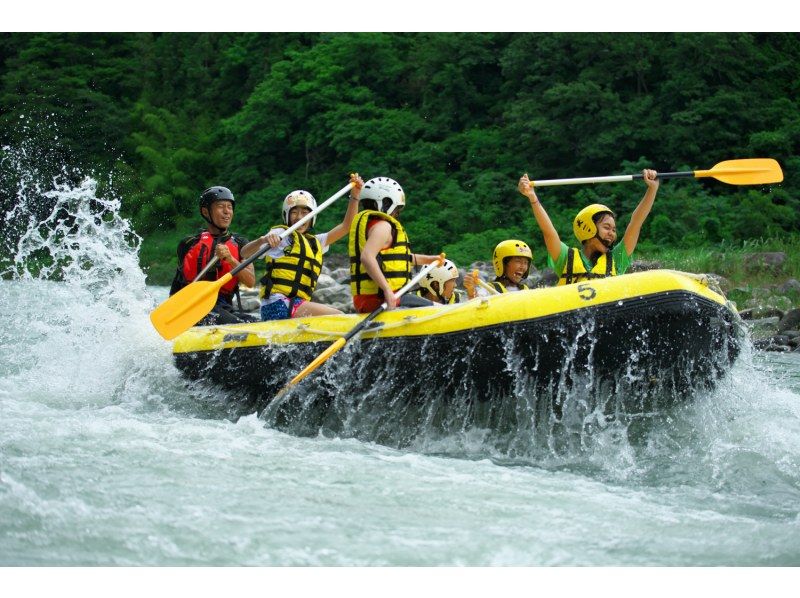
x=516 y=268
x=221 y=214
x=449 y=287
x=606 y=232
x=296 y=214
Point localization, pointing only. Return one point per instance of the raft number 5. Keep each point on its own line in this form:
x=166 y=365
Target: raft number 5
x=586 y=292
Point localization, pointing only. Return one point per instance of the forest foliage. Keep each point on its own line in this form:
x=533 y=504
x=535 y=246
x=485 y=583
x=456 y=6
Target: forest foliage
x=456 y=118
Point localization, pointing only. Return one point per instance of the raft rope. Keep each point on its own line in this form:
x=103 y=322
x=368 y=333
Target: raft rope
x=306 y=328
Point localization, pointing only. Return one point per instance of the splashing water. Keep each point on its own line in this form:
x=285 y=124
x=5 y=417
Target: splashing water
x=109 y=457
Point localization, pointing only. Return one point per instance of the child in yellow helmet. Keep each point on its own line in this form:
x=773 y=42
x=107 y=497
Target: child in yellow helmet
x=595 y=227
x=512 y=263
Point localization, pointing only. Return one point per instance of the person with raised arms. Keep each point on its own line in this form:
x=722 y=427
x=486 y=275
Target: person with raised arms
x=295 y=261
x=596 y=230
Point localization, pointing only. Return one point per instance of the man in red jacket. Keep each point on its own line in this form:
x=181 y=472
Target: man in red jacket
x=194 y=253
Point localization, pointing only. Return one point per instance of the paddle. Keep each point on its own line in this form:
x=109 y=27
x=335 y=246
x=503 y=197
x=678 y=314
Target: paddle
x=338 y=344
x=202 y=273
x=749 y=171
x=477 y=276
x=186 y=307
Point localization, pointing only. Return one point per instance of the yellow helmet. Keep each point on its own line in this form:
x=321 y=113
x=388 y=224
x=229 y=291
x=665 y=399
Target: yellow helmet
x=507 y=249
x=583 y=225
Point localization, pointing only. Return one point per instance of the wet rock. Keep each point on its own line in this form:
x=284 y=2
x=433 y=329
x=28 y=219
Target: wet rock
x=769 y=344
x=486 y=269
x=642 y=265
x=746 y=314
x=546 y=278
x=718 y=281
x=772 y=261
x=789 y=321
x=250 y=299
x=791 y=333
x=790 y=286
x=335 y=293
x=763 y=327
x=341 y=275
x=759 y=312
x=334 y=261
x=325 y=281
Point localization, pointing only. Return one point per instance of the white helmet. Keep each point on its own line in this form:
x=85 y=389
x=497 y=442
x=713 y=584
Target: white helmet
x=387 y=193
x=299 y=198
x=441 y=274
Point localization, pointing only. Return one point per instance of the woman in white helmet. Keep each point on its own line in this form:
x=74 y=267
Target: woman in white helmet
x=294 y=263
x=380 y=253
x=439 y=285
x=595 y=228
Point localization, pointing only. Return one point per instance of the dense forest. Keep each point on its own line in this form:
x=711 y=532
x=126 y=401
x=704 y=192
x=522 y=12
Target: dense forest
x=456 y=118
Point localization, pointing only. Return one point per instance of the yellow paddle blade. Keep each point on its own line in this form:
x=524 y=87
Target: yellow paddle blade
x=749 y=171
x=186 y=307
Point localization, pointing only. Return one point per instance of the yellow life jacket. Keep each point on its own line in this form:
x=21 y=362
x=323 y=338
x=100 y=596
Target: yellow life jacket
x=395 y=262
x=500 y=287
x=575 y=271
x=294 y=274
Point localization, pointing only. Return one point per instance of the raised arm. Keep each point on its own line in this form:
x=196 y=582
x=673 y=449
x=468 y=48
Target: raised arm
x=551 y=238
x=341 y=229
x=641 y=212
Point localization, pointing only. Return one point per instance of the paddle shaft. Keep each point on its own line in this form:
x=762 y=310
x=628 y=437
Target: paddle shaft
x=339 y=343
x=210 y=263
x=612 y=179
x=488 y=287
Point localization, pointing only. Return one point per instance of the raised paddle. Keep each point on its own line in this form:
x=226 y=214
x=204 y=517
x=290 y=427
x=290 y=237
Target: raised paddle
x=338 y=344
x=748 y=171
x=186 y=307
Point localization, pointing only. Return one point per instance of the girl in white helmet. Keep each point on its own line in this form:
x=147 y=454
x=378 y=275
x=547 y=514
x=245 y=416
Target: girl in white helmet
x=595 y=227
x=380 y=252
x=439 y=285
x=294 y=263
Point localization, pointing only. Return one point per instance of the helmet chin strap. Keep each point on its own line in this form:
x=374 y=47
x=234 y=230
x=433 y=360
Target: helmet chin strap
x=437 y=293
x=222 y=231
x=607 y=244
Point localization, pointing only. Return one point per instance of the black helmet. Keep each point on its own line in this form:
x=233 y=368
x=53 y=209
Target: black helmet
x=213 y=194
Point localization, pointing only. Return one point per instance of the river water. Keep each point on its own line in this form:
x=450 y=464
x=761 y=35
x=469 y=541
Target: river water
x=106 y=457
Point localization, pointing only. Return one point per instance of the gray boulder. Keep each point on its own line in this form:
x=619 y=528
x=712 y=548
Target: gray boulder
x=790 y=286
x=789 y=321
x=341 y=275
x=772 y=261
x=642 y=265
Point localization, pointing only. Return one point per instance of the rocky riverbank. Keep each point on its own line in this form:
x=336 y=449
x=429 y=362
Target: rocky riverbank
x=770 y=311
